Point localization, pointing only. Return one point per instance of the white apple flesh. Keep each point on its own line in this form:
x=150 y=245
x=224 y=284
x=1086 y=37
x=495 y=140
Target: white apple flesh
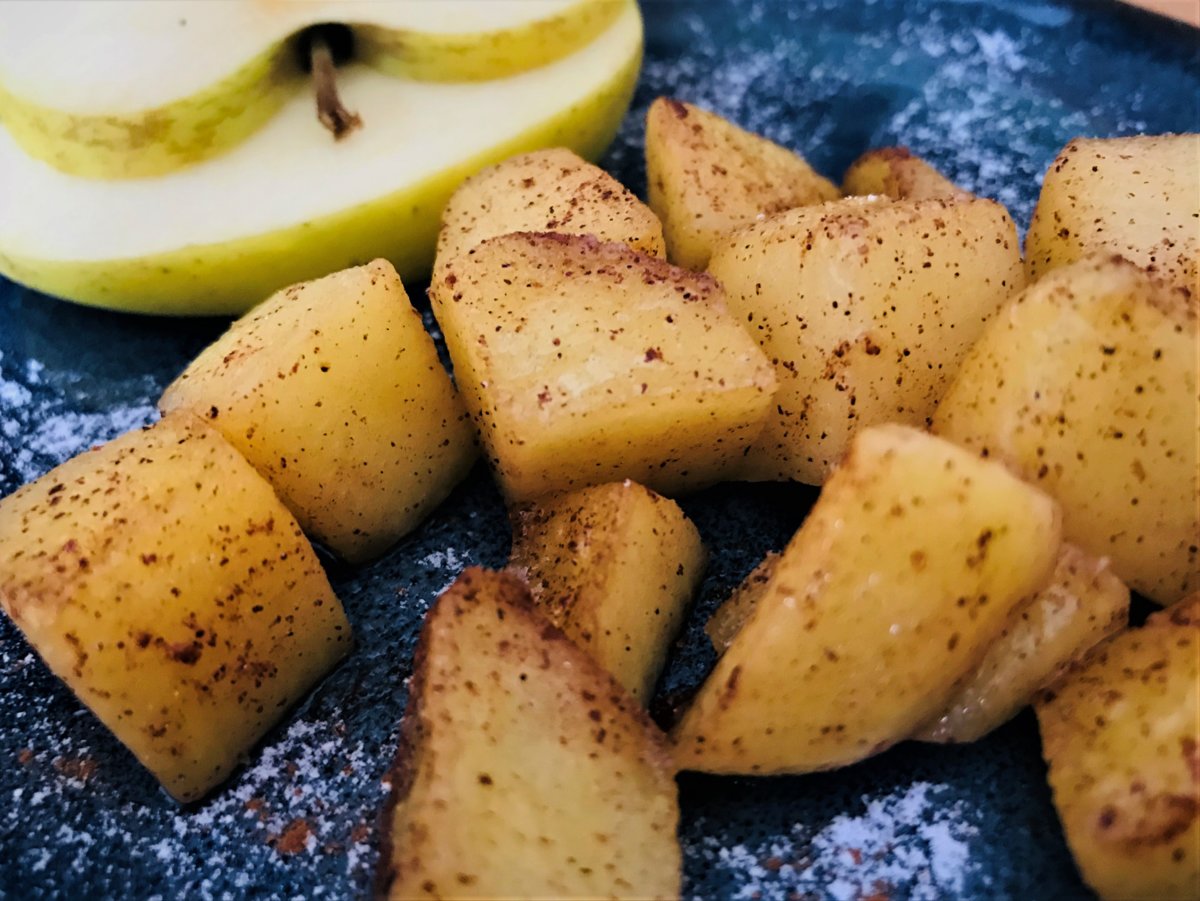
x=289 y=203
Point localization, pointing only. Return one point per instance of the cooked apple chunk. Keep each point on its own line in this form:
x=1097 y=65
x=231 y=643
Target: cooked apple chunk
x=615 y=568
x=1138 y=197
x=333 y=390
x=163 y=581
x=1119 y=735
x=896 y=173
x=1086 y=385
x=586 y=362
x=908 y=567
x=546 y=191
x=705 y=176
x=1083 y=604
x=867 y=309
x=727 y=619
x=525 y=770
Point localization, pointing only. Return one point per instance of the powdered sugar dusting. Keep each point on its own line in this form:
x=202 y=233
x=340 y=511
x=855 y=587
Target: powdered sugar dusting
x=40 y=427
x=836 y=81
x=449 y=560
x=914 y=842
x=312 y=792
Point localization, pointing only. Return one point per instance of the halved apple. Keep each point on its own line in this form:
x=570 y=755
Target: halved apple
x=288 y=203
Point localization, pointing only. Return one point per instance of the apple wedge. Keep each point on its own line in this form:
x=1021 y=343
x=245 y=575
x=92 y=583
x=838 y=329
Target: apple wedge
x=289 y=204
x=867 y=308
x=524 y=771
x=1083 y=604
x=729 y=618
x=897 y=173
x=1134 y=196
x=1085 y=384
x=910 y=565
x=706 y=177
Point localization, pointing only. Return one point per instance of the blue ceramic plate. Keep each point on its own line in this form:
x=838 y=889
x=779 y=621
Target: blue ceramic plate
x=988 y=91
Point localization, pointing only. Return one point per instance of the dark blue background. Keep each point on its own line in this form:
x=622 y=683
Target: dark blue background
x=987 y=90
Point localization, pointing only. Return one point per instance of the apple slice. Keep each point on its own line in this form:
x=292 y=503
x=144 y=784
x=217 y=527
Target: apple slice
x=525 y=770
x=289 y=204
x=196 y=78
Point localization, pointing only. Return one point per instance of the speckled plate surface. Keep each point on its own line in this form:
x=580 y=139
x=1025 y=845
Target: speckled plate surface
x=986 y=89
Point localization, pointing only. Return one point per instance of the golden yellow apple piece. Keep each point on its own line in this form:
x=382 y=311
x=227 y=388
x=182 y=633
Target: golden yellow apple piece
x=908 y=567
x=525 y=770
x=333 y=390
x=615 y=568
x=897 y=173
x=163 y=581
x=1120 y=737
x=1082 y=604
x=1086 y=385
x=586 y=362
x=545 y=191
x=727 y=619
x=1138 y=197
x=867 y=309
x=705 y=176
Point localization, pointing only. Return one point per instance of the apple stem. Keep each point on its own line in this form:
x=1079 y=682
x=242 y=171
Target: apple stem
x=339 y=120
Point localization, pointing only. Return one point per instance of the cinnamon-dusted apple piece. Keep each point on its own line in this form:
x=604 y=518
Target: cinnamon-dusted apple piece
x=706 y=177
x=585 y=362
x=545 y=191
x=899 y=174
x=727 y=619
x=1120 y=734
x=525 y=770
x=1081 y=605
x=334 y=391
x=908 y=567
x=1134 y=196
x=615 y=567
x=163 y=581
x=1085 y=384
x=867 y=308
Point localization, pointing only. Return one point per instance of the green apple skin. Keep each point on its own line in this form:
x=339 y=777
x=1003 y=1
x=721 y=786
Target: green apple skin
x=230 y=277
x=478 y=57
x=193 y=128
x=159 y=140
